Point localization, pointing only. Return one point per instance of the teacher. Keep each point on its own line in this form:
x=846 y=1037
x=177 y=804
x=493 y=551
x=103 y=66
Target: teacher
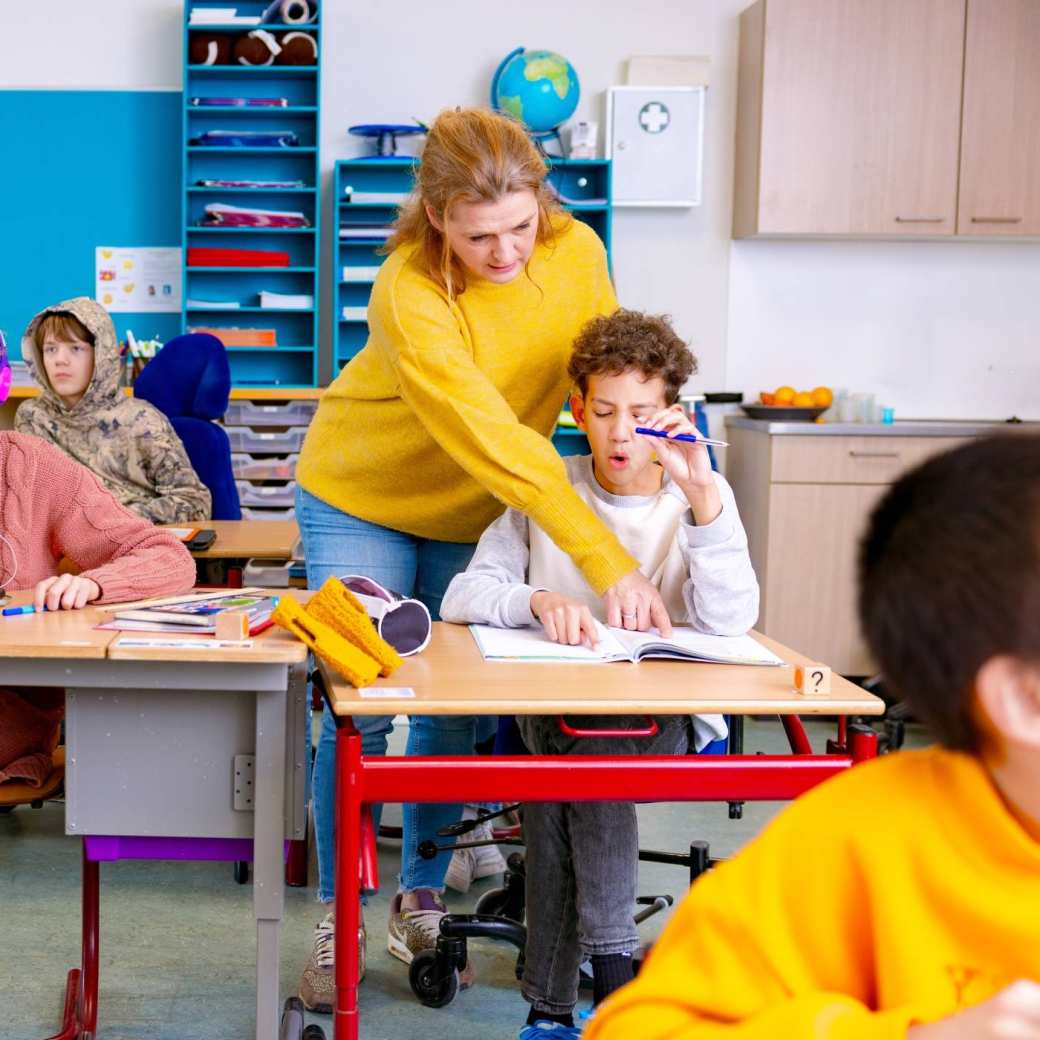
x=441 y=420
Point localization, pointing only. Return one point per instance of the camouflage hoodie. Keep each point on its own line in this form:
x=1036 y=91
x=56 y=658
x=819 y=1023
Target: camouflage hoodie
x=128 y=443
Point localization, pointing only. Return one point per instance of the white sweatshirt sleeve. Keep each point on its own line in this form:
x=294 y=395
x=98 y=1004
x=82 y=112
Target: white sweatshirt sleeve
x=492 y=590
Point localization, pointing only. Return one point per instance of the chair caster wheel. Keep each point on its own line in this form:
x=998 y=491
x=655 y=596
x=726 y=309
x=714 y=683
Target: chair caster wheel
x=241 y=872
x=429 y=983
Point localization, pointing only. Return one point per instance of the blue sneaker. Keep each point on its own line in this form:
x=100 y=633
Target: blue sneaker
x=543 y=1029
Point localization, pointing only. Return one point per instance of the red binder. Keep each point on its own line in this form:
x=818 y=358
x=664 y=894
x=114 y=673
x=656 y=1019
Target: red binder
x=204 y=257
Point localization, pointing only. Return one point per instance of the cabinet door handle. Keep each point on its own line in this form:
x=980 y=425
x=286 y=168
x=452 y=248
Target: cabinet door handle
x=920 y=220
x=873 y=454
x=996 y=220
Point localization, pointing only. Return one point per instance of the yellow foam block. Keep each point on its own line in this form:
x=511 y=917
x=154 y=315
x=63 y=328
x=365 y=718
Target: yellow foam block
x=335 y=605
x=352 y=663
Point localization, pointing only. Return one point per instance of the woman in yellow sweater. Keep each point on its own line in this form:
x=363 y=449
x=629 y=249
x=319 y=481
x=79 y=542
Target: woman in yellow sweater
x=440 y=421
x=902 y=899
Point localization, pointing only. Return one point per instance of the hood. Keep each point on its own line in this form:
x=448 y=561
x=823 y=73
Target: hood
x=103 y=389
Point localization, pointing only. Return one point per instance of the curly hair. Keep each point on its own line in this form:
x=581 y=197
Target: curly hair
x=614 y=343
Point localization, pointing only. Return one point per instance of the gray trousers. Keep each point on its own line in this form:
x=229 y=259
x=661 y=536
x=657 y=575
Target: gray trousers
x=582 y=859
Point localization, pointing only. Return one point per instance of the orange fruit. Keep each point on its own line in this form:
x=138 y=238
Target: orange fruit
x=823 y=397
x=803 y=400
x=766 y=398
x=784 y=394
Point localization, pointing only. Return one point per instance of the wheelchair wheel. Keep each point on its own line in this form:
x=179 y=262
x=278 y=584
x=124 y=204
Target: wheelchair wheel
x=432 y=988
x=494 y=903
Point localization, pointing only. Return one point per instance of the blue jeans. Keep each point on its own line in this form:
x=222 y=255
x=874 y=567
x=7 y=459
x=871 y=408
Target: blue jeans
x=336 y=543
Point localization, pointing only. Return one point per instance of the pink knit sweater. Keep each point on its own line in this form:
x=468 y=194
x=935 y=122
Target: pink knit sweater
x=51 y=506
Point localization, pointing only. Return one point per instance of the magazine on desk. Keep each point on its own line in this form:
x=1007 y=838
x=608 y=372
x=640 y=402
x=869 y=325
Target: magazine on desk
x=618 y=644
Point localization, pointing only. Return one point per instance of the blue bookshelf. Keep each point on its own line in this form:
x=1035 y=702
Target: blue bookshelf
x=295 y=169
x=584 y=186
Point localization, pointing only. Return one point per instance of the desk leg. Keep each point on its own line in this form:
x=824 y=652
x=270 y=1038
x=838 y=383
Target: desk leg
x=348 y=878
x=268 y=835
x=79 y=1017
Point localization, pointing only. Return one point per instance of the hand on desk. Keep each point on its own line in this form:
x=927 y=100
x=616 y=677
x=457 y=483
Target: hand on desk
x=1013 y=1014
x=565 y=620
x=635 y=603
x=65 y=592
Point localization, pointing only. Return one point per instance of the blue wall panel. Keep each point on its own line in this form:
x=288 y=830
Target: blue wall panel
x=80 y=169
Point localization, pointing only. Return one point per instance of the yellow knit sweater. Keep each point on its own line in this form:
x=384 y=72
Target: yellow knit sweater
x=445 y=413
x=899 y=893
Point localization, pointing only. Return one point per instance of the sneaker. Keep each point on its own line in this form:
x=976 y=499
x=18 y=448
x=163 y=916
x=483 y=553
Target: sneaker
x=469 y=865
x=543 y=1029
x=318 y=981
x=411 y=931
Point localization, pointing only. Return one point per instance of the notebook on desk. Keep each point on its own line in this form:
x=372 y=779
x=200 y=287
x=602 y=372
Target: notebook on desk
x=618 y=644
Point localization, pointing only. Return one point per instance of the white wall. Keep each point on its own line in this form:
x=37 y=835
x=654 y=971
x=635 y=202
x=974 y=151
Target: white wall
x=935 y=329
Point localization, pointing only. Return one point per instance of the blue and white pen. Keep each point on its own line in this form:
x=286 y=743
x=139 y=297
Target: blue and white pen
x=688 y=437
x=12 y=611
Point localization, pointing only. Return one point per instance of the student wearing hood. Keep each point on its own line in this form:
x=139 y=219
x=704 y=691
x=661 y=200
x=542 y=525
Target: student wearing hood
x=72 y=352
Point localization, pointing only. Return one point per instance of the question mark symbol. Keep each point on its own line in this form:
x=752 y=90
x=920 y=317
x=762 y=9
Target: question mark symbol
x=817 y=677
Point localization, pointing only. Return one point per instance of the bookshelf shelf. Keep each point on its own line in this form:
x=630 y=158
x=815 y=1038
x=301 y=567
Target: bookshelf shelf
x=294 y=361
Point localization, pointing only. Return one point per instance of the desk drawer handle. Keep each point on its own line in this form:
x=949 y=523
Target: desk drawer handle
x=996 y=220
x=920 y=220
x=649 y=730
x=873 y=454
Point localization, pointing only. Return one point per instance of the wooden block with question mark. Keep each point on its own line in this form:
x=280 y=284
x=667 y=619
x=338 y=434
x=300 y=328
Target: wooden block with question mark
x=812 y=680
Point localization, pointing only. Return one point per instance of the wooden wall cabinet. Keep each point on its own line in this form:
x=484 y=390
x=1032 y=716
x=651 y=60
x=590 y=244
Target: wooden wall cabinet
x=1000 y=144
x=805 y=501
x=848 y=117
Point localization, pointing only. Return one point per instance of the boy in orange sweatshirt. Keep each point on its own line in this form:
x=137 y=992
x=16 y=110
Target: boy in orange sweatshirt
x=902 y=899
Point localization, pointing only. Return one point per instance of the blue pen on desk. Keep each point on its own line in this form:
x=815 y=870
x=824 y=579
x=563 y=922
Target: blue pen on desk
x=12 y=611
x=688 y=437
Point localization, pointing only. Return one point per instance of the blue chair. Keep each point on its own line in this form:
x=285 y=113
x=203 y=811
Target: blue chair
x=189 y=381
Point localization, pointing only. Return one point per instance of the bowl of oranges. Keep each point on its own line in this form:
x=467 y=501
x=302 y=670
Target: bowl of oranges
x=789 y=405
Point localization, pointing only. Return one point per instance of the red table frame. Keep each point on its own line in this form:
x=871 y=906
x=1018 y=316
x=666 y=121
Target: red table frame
x=362 y=781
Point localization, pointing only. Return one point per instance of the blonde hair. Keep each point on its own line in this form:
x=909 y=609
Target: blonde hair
x=471 y=155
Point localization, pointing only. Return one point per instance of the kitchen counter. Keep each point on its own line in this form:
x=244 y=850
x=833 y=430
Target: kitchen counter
x=904 y=428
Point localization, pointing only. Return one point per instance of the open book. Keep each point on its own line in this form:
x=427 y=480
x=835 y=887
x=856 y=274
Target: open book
x=618 y=644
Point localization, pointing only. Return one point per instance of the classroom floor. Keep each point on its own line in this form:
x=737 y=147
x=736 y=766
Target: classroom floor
x=178 y=941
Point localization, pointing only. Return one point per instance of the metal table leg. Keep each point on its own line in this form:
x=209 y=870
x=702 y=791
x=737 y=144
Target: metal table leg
x=268 y=832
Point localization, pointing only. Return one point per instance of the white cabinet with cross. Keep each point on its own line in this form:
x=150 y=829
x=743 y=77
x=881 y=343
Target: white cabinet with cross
x=655 y=138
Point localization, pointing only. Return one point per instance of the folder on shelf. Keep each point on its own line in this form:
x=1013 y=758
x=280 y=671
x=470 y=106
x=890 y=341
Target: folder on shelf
x=221 y=213
x=360 y=274
x=382 y=198
x=236 y=337
x=288 y=301
x=193 y=304
x=200 y=256
x=240 y=102
x=366 y=231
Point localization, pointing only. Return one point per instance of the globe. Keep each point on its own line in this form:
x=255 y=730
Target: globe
x=540 y=88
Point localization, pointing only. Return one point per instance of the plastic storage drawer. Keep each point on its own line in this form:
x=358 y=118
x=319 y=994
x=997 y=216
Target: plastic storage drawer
x=277 y=495
x=248 y=413
x=268 y=574
x=253 y=513
x=283 y=442
x=249 y=467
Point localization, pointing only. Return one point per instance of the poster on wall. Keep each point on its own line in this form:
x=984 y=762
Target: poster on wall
x=138 y=279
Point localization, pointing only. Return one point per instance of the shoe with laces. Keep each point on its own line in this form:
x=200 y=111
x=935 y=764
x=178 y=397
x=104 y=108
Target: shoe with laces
x=469 y=865
x=543 y=1029
x=318 y=981
x=412 y=931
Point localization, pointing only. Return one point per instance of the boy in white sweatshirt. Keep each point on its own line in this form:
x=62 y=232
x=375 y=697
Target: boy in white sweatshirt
x=679 y=519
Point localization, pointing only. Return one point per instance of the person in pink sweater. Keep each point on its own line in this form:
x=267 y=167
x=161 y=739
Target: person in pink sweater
x=53 y=508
